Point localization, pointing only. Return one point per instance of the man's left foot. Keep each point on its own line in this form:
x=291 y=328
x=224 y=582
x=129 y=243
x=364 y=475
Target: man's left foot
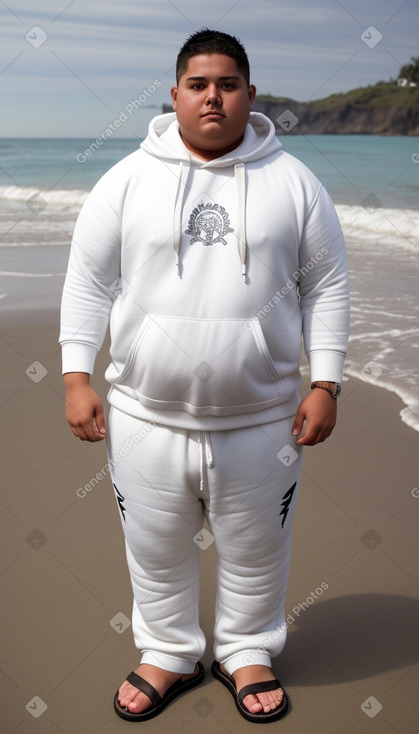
x=258 y=695
x=256 y=703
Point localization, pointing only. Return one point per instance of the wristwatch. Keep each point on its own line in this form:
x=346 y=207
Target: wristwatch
x=333 y=388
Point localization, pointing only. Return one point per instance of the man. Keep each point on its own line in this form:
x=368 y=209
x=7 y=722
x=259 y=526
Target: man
x=212 y=252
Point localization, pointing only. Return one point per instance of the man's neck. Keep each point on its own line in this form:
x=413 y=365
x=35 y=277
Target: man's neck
x=210 y=155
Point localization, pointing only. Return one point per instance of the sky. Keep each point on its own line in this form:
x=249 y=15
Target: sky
x=69 y=69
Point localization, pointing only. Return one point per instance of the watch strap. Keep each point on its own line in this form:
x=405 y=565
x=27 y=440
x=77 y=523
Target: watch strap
x=333 y=394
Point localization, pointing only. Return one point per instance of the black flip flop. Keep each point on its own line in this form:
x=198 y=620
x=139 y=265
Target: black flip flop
x=158 y=702
x=271 y=685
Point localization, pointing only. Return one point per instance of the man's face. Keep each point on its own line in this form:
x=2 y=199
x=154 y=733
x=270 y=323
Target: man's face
x=212 y=103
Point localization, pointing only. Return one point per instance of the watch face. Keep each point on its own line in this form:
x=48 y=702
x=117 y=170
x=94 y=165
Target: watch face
x=337 y=390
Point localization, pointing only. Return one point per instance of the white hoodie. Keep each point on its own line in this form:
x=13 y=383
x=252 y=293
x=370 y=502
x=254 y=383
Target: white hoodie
x=210 y=272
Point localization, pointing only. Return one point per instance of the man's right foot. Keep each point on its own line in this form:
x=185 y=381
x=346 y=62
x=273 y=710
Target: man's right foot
x=136 y=701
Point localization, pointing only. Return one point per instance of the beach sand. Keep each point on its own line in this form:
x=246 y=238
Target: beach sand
x=350 y=662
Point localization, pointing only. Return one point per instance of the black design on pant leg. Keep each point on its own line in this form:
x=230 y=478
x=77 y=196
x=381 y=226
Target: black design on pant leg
x=120 y=499
x=286 y=501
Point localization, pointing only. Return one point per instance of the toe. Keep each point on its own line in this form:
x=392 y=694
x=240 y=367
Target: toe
x=132 y=699
x=139 y=703
x=272 y=699
x=264 y=701
x=252 y=704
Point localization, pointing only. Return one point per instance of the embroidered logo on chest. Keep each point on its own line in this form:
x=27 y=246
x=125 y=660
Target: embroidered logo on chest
x=209 y=223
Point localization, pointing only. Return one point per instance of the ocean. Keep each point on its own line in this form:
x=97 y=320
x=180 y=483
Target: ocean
x=373 y=180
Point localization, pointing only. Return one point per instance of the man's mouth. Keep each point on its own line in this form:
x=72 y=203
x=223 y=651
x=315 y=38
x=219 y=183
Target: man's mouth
x=213 y=113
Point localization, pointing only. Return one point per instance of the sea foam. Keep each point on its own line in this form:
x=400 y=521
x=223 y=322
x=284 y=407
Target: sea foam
x=60 y=197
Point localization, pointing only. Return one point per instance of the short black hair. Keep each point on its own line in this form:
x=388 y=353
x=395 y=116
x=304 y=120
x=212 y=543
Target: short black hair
x=212 y=42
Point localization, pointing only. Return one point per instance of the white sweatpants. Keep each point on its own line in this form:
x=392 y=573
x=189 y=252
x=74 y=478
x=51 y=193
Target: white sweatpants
x=245 y=482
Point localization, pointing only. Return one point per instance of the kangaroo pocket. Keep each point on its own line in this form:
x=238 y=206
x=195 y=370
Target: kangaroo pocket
x=201 y=366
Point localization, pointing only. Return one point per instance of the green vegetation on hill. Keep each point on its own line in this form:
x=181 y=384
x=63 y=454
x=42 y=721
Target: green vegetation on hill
x=382 y=94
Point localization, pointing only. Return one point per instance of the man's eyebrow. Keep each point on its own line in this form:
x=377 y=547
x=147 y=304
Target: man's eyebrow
x=204 y=78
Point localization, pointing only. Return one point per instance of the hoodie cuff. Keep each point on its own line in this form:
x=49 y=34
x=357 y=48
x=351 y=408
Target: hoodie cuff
x=78 y=357
x=326 y=366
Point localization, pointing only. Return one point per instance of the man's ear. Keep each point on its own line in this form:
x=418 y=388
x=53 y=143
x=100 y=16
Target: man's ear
x=252 y=93
x=173 y=94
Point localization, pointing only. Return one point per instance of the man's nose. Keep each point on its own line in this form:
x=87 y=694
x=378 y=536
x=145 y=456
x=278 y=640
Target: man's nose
x=213 y=95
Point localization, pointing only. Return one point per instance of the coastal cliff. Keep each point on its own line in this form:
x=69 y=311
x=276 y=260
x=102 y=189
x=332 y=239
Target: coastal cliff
x=383 y=109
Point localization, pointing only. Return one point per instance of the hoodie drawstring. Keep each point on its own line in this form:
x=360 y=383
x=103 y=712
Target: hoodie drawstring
x=177 y=212
x=206 y=456
x=240 y=176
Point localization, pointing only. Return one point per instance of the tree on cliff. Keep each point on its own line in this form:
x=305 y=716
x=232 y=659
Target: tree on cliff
x=410 y=71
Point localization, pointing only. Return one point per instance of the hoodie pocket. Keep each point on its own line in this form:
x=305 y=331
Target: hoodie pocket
x=201 y=366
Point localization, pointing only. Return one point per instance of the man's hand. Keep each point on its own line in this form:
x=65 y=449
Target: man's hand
x=83 y=408
x=318 y=409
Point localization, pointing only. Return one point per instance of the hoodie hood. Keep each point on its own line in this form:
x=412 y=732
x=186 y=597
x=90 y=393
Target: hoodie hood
x=165 y=143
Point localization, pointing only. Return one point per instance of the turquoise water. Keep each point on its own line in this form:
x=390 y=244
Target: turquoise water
x=53 y=163
x=352 y=167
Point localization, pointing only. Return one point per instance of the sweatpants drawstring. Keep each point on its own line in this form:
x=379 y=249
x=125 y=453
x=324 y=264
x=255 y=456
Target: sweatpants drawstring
x=206 y=456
